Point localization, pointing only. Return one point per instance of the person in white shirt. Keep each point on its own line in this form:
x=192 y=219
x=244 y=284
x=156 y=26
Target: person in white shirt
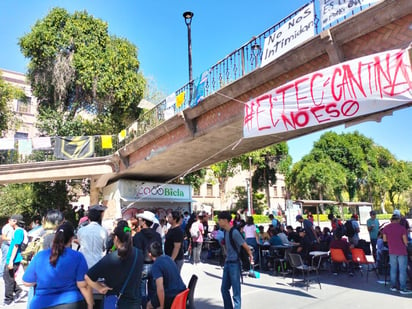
x=93 y=237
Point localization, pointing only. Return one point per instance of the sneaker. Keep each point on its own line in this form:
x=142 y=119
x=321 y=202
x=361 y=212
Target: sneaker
x=20 y=296
x=335 y=274
x=351 y=274
x=5 y=305
x=405 y=292
x=393 y=289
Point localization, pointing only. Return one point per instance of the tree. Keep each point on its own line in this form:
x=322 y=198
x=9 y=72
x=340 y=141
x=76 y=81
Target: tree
x=222 y=171
x=76 y=66
x=16 y=198
x=265 y=163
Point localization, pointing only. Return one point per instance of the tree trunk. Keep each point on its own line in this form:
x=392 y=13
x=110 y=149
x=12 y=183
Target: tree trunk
x=383 y=203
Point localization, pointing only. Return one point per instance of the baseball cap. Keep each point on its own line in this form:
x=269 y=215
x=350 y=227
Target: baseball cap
x=299 y=217
x=395 y=217
x=372 y=213
x=98 y=207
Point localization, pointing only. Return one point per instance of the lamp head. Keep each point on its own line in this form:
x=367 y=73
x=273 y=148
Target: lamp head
x=188 y=17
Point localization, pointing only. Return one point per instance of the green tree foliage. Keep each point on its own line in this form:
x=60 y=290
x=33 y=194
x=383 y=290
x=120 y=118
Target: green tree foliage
x=264 y=164
x=16 y=198
x=76 y=65
x=7 y=93
x=350 y=164
x=195 y=179
x=222 y=171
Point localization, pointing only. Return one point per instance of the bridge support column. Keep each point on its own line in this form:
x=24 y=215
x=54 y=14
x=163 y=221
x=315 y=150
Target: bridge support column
x=94 y=192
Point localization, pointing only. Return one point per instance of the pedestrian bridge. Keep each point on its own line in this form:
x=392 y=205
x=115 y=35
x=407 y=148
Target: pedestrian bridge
x=212 y=131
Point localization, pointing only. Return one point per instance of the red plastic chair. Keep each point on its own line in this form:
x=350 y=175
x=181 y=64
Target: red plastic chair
x=180 y=300
x=358 y=256
x=338 y=256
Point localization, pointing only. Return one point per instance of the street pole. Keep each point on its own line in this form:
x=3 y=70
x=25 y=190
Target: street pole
x=250 y=188
x=188 y=20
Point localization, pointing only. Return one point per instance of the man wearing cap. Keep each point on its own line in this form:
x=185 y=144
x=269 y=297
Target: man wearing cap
x=395 y=236
x=373 y=228
x=142 y=241
x=93 y=237
x=12 y=291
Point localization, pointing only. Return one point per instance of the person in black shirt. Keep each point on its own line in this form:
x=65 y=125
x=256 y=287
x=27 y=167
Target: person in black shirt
x=174 y=239
x=115 y=267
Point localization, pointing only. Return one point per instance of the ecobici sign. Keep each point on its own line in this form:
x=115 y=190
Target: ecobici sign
x=156 y=191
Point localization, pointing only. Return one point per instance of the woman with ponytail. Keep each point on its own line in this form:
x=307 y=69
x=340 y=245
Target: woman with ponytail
x=119 y=273
x=58 y=275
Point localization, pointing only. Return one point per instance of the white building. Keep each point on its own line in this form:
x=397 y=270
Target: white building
x=25 y=111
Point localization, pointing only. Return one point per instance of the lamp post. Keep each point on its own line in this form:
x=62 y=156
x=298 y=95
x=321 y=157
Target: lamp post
x=249 y=204
x=256 y=51
x=250 y=195
x=188 y=21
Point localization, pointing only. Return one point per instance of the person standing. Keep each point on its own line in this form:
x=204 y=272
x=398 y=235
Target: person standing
x=251 y=237
x=373 y=228
x=93 y=237
x=395 y=235
x=174 y=239
x=196 y=232
x=59 y=275
x=12 y=291
x=309 y=228
x=120 y=269
x=6 y=236
x=354 y=240
x=231 y=269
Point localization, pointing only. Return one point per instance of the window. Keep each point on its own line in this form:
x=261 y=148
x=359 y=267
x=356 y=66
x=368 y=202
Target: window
x=283 y=191
x=275 y=189
x=209 y=189
x=23 y=106
x=21 y=135
x=196 y=191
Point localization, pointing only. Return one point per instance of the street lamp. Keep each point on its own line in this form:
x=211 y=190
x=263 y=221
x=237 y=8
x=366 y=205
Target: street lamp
x=250 y=195
x=249 y=205
x=188 y=21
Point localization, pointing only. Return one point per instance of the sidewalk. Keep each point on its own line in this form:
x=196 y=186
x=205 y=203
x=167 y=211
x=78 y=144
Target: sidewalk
x=271 y=291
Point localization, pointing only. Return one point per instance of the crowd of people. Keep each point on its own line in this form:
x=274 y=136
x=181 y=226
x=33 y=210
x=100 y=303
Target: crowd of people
x=138 y=263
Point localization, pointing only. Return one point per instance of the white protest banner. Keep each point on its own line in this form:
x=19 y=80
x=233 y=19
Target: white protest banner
x=7 y=143
x=291 y=34
x=348 y=90
x=332 y=10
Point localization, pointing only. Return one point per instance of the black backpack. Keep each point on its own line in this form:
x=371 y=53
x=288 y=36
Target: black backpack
x=241 y=252
x=349 y=230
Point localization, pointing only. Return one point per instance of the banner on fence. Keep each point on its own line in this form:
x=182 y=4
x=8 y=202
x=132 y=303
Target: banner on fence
x=292 y=33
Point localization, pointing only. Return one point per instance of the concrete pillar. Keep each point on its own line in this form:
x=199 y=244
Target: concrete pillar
x=94 y=192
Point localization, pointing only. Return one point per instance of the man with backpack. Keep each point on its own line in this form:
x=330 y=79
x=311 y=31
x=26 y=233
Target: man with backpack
x=231 y=270
x=142 y=241
x=352 y=230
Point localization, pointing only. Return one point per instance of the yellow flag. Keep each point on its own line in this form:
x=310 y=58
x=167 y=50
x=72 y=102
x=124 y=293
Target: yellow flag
x=122 y=135
x=107 y=142
x=180 y=98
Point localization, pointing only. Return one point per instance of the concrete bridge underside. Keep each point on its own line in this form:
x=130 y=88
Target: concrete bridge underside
x=212 y=131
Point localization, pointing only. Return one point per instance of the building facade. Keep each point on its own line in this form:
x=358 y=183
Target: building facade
x=25 y=111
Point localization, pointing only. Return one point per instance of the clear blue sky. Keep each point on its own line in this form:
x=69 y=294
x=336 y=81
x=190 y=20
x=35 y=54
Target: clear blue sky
x=157 y=28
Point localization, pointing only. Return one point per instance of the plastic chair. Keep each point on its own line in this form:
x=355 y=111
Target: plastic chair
x=358 y=256
x=296 y=262
x=190 y=297
x=338 y=256
x=180 y=300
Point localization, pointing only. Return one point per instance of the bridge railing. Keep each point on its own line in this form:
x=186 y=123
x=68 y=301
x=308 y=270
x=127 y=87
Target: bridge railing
x=234 y=66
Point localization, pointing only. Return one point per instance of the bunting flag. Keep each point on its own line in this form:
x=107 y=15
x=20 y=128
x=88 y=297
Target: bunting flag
x=180 y=99
x=171 y=100
x=41 y=142
x=24 y=147
x=199 y=94
x=6 y=143
x=77 y=147
x=107 y=142
x=122 y=135
x=168 y=113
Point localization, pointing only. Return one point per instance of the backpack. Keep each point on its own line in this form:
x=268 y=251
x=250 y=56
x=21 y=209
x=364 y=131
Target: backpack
x=31 y=249
x=241 y=252
x=194 y=230
x=350 y=231
x=25 y=241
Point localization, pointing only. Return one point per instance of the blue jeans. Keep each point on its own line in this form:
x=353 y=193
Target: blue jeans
x=231 y=278
x=251 y=242
x=398 y=262
x=4 y=249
